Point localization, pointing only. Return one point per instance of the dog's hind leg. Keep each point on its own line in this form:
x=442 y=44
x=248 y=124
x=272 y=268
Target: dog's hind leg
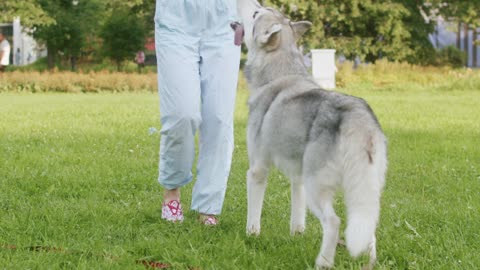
x=256 y=184
x=320 y=202
x=372 y=253
x=363 y=206
x=363 y=182
x=298 y=211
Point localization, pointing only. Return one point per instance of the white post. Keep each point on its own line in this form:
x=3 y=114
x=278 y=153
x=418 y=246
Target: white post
x=30 y=51
x=17 y=41
x=323 y=67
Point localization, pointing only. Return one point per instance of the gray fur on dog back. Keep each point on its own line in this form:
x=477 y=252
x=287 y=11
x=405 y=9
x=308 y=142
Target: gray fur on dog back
x=293 y=111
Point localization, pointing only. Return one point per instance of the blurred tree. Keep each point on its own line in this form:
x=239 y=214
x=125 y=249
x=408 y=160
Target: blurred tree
x=123 y=34
x=419 y=27
x=368 y=29
x=143 y=9
x=29 y=12
x=75 y=20
x=457 y=10
x=466 y=14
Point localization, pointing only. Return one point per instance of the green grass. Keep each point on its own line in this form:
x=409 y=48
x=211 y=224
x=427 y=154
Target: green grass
x=78 y=172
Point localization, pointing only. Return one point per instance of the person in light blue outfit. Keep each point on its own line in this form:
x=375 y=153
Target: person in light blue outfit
x=198 y=66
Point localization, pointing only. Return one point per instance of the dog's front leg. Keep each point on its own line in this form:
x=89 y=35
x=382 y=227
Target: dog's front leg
x=256 y=185
x=298 y=211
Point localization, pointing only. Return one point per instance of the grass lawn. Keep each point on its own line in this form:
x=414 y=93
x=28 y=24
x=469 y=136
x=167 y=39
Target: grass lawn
x=78 y=172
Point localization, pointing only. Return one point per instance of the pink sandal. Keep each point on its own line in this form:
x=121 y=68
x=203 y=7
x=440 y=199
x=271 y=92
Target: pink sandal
x=172 y=211
x=209 y=220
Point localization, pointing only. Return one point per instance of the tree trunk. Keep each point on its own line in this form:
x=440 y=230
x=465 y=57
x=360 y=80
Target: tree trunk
x=459 y=35
x=465 y=43
x=73 y=61
x=474 y=48
x=50 y=56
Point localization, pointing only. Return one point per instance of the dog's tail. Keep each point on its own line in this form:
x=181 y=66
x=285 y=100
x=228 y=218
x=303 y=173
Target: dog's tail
x=363 y=184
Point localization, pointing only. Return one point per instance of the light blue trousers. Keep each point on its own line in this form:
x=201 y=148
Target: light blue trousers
x=198 y=66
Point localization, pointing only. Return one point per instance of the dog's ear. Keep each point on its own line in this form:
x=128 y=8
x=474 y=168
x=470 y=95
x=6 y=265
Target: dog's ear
x=300 y=28
x=270 y=39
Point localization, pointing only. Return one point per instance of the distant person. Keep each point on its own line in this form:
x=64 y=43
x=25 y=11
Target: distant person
x=140 y=60
x=18 y=57
x=4 y=52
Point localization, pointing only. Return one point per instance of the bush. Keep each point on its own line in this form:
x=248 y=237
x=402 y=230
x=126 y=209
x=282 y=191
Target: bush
x=17 y=81
x=85 y=66
x=385 y=75
x=450 y=56
x=123 y=35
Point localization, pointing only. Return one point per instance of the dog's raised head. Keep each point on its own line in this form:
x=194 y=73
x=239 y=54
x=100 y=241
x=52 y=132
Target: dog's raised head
x=267 y=29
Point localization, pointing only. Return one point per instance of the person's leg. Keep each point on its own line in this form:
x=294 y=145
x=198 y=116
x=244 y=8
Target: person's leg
x=179 y=91
x=220 y=60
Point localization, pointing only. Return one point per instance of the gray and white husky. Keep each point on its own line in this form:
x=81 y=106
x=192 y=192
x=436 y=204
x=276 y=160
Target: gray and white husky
x=321 y=140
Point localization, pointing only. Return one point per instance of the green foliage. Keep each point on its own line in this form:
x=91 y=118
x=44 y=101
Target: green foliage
x=450 y=56
x=143 y=9
x=393 y=29
x=87 y=66
x=70 y=28
x=368 y=29
x=75 y=23
x=123 y=34
x=423 y=51
x=459 y=10
x=29 y=11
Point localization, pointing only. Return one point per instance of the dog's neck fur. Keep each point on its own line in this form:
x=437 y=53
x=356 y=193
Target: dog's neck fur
x=266 y=67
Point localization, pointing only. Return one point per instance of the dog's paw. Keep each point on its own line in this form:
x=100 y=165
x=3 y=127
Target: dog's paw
x=367 y=267
x=253 y=230
x=297 y=229
x=322 y=263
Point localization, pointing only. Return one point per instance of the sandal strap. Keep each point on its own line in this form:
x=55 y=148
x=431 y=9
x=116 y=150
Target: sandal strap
x=174 y=206
x=172 y=211
x=210 y=220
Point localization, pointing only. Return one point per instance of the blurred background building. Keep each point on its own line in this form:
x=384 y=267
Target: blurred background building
x=24 y=49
